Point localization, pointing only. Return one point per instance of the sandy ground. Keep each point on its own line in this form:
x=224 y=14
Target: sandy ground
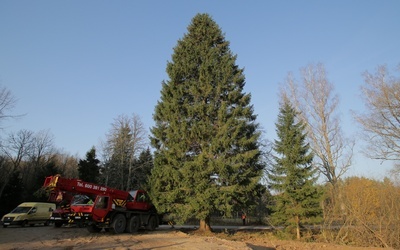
x=42 y=237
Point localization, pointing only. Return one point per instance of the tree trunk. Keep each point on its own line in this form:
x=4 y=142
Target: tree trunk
x=128 y=182
x=3 y=186
x=298 y=227
x=205 y=225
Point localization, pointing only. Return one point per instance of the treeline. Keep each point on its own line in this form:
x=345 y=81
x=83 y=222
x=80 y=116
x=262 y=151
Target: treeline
x=366 y=213
x=27 y=158
x=210 y=156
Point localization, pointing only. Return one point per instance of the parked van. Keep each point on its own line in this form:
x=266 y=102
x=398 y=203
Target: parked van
x=29 y=213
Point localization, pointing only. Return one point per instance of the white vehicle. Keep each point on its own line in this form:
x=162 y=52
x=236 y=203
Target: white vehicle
x=29 y=213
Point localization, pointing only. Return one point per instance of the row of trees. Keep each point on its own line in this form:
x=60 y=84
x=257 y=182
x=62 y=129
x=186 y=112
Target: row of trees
x=209 y=156
x=127 y=158
x=27 y=157
x=25 y=162
x=207 y=141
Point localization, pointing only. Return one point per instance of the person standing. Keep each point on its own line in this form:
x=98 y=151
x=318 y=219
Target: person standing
x=244 y=218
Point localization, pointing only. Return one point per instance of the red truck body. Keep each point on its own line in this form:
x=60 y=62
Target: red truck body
x=63 y=208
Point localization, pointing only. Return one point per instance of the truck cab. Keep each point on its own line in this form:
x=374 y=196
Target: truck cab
x=140 y=201
x=81 y=210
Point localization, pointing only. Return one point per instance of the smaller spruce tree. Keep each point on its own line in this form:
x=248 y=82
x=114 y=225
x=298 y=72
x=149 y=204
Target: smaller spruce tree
x=89 y=169
x=142 y=170
x=297 y=197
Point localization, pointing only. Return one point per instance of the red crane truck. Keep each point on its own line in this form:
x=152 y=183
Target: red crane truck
x=73 y=207
x=115 y=210
x=63 y=202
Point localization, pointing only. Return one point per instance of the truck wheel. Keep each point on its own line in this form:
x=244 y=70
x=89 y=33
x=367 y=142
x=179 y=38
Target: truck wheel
x=58 y=224
x=118 y=223
x=133 y=225
x=152 y=223
x=94 y=229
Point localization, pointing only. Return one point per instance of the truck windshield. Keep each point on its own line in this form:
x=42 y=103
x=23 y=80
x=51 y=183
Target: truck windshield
x=133 y=193
x=81 y=199
x=102 y=202
x=21 y=210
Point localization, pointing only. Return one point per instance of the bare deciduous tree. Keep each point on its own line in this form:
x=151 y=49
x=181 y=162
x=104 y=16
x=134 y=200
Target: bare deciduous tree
x=138 y=143
x=43 y=146
x=28 y=153
x=7 y=104
x=17 y=147
x=40 y=153
x=314 y=98
x=381 y=121
x=67 y=164
x=126 y=139
x=371 y=209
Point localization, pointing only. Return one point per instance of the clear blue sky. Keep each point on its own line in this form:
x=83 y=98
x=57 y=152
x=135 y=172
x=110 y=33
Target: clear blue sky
x=74 y=66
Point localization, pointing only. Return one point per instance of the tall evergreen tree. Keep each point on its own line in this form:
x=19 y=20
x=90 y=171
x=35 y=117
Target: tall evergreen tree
x=207 y=156
x=292 y=175
x=89 y=169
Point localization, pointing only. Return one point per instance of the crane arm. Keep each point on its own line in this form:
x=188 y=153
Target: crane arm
x=58 y=183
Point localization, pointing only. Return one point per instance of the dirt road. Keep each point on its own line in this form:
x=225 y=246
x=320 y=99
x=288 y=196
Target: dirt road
x=41 y=237
x=64 y=238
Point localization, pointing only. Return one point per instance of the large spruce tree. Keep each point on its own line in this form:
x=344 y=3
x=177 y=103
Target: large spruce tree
x=292 y=176
x=205 y=134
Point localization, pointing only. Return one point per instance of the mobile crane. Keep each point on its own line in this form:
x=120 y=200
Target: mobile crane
x=73 y=207
x=115 y=210
x=63 y=207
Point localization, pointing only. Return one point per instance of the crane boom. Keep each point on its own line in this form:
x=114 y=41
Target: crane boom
x=57 y=183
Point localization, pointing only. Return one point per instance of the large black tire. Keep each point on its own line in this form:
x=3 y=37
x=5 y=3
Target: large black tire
x=58 y=224
x=24 y=223
x=118 y=224
x=152 y=225
x=4 y=226
x=133 y=225
x=94 y=229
